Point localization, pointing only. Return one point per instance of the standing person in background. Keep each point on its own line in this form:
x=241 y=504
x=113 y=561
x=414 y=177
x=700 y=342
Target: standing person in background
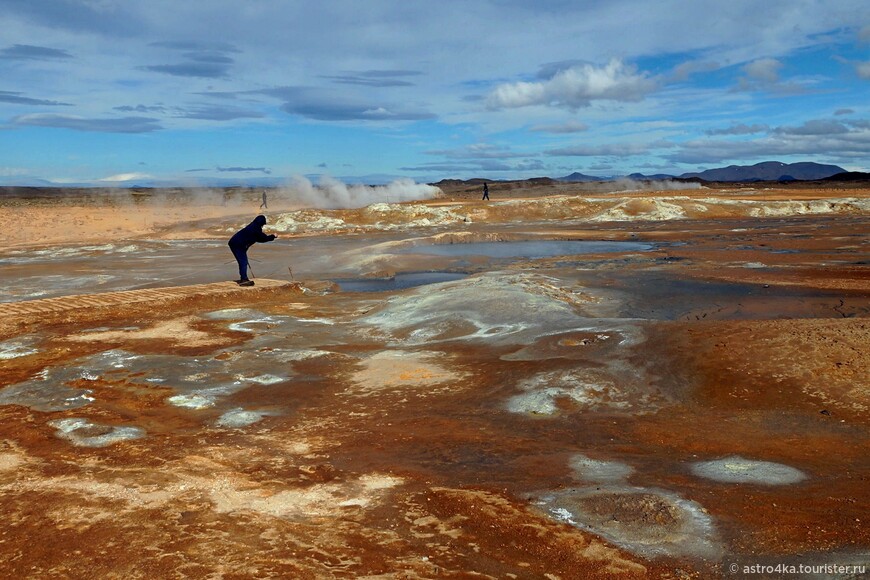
x=244 y=239
x=485 y=192
x=264 y=205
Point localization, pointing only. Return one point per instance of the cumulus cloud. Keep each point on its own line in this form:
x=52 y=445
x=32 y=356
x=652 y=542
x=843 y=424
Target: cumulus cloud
x=31 y=52
x=739 y=129
x=331 y=193
x=117 y=125
x=569 y=127
x=844 y=111
x=16 y=99
x=576 y=87
x=863 y=70
x=864 y=33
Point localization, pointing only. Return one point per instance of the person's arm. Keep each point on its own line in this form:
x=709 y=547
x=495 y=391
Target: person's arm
x=263 y=238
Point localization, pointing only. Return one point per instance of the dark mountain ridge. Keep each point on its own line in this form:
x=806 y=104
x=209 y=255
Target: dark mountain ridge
x=769 y=171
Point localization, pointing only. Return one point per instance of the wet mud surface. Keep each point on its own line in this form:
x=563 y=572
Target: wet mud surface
x=664 y=409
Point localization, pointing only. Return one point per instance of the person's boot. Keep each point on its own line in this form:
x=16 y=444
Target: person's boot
x=246 y=283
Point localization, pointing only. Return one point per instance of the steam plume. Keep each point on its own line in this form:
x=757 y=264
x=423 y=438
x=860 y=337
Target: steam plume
x=626 y=184
x=331 y=193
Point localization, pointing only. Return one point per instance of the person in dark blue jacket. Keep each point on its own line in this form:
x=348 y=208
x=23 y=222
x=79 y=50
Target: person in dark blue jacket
x=244 y=239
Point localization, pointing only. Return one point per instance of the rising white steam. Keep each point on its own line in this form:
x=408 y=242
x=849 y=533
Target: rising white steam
x=626 y=184
x=331 y=193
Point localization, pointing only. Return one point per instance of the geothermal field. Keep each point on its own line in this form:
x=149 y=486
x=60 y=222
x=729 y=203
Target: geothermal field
x=563 y=382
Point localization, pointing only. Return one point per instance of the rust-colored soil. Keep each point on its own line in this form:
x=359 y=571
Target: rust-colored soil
x=543 y=417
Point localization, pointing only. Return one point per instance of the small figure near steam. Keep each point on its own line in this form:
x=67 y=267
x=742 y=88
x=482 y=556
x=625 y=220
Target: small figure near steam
x=264 y=205
x=485 y=192
x=244 y=239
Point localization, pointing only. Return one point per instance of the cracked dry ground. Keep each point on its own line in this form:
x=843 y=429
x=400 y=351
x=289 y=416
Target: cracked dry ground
x=384 y=439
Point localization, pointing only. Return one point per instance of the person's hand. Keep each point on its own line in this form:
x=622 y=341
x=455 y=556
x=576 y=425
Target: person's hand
x=272 y=237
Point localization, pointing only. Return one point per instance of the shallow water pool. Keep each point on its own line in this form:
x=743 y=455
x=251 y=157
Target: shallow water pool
x=397 y=282
x=528 y=248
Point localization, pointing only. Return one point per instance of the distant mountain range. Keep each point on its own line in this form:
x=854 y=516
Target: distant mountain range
x=765 y=171
x=768 y=171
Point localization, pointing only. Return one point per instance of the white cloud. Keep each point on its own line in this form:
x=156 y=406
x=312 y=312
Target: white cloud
x=576 y=87
x=386 y=74
x=852 y=145
x=764 y=69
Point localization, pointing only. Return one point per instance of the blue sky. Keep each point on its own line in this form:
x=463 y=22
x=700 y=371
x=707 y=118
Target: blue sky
x=124 y=92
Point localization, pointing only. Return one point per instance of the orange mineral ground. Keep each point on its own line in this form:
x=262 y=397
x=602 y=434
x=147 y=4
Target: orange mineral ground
x=557 y=383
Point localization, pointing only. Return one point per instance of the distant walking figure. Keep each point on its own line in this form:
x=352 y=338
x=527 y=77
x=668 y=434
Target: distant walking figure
x=485 y=191
x=264 y=205
x=244 y=239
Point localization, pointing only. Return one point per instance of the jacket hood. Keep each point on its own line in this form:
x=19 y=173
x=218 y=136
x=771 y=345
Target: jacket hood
x=260 y=220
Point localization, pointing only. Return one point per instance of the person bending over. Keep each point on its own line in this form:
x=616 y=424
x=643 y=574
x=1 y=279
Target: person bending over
x=244 y=239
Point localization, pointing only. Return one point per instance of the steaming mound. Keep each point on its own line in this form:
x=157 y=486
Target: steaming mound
x=375 y=217
x=397 y=217
x=334 y=194
x=641 y=209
